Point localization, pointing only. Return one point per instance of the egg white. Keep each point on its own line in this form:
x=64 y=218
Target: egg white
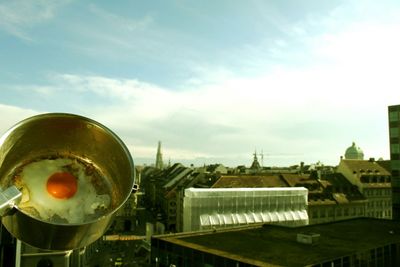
x=72 y=210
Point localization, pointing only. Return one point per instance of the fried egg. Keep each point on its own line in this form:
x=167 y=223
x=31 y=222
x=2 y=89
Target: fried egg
x=61 y=190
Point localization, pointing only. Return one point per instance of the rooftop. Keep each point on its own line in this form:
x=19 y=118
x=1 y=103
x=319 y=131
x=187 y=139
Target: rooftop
x=336 y=240
x=366 y=167
x=249 y=181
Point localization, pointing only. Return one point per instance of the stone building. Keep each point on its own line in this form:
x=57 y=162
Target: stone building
x=330 y=196
x=354 y=152
x=373 y=181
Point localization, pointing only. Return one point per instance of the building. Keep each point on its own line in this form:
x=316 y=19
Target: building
x=162 y=191
x=373 y=181
x=331 y=196
x=214 y=208
x=345 y=243
x=216 y=169
x=159 y=160
x=394 y=140
x=255 y=165
x=354 y=152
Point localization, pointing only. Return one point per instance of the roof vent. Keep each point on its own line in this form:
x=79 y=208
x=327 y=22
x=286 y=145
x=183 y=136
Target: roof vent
x=308 y=238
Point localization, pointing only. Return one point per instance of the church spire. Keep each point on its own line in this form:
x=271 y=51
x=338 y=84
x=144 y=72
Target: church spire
x=159 y=161
x=255 y=165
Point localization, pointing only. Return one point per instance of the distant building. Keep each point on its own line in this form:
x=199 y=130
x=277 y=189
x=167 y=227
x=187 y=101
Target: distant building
x=159 y=160
x=215 y=208
x=161 y=193
x=394 y=140
x=355 y=242
x=255 y=165
x=217 y=169
x=331 y=196
x=373 y=181
x=250 y=181
x=354 y=152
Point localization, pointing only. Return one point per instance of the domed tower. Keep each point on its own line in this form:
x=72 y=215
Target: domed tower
x=354 y=152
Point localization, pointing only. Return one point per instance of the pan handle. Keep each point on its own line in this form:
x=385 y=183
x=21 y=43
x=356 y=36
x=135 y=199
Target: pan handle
x=9 y=198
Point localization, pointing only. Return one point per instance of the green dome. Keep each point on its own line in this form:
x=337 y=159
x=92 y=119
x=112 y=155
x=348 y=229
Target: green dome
x=354 y=152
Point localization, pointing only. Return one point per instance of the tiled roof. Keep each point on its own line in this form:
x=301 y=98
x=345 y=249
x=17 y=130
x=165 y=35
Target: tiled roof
x=385 y=164
x=365 y=167
x=302 y=180
x=249 y=181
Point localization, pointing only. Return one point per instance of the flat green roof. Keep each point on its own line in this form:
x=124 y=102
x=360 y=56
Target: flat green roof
x=277 y=245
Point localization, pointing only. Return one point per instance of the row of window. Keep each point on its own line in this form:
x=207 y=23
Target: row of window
x=324 y=213
x=375 y=179
x=380 y=214
x=378 y=192
x=379 y=204
x=381 y=256
x=330 y=213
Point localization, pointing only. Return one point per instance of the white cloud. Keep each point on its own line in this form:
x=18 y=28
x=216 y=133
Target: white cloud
x=17 y=16
x=122 y=22
x=294 y=112
x=10 y=115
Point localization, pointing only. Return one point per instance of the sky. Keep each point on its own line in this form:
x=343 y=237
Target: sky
x=214 y=81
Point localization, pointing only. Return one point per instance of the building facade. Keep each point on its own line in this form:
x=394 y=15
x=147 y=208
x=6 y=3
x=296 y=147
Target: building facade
x=331 y=197
x=394 y=140
x=213 y=208
x=373 y=181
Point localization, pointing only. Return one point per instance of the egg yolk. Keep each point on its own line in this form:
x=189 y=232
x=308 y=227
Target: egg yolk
x=62 y=185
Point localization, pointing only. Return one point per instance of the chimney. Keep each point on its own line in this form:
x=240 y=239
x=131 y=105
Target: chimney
x=308 y=238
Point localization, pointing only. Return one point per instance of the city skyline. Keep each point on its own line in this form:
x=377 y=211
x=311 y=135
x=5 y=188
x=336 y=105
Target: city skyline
x=212 y=81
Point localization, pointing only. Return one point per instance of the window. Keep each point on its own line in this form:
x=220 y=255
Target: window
x=395 y=164
x=394 y=132
x=338 y=212
x=322 y=213
x=346 y=211
x=353 y=211
x=331 y=213
x=393 y=116
x=314 y=214
x=394 y=148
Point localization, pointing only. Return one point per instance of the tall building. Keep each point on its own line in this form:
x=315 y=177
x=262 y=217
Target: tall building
x=159 y=160
x=394 y=138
